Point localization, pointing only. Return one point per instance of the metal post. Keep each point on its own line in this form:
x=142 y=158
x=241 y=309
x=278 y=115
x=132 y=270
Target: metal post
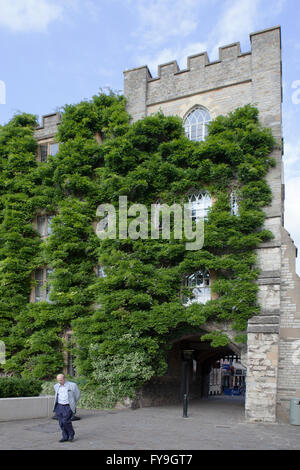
x=185 y=406
x=185 y=389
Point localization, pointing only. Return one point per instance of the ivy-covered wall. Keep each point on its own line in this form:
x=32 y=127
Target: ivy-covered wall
x=122 y=322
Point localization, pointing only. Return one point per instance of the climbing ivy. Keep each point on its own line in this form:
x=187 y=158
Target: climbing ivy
x=140 y=297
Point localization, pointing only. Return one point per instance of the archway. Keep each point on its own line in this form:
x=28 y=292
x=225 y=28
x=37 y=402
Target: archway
x=195 y=365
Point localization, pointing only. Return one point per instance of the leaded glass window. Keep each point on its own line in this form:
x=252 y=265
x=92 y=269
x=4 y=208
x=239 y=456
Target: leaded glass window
x=199 y=283
x=48 y=148
x=38 y=291
x=42 y=288
x=199 y=203
x=234 y=203
x=54 y=149
x=44 y=225
x=43 y=152
x=195 y=124
x=100 y=271
x=48 y=285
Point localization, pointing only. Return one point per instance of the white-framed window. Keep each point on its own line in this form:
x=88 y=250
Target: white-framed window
x=47 y=148
x=199 y=283
x=100 y=271
x=43 y=223
x=199 y=203
x=234 y=203
x=42 y=288
x=195 y=124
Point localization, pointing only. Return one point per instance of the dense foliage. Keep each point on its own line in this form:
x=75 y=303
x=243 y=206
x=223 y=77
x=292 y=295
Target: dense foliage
x=127 y=317
x=14 y=387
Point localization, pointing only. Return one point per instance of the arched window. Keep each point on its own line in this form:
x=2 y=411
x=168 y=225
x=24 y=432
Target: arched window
x=195 y=124
x=199 y=203
x=199 y=283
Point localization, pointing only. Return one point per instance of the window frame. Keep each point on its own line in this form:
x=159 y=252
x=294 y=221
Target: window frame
x=234 y=203
x=46 y=226
x=199 y=127
x=43 y=284
x=202 y=211
x=204 y=286
x=46 y=144
x=100 y=272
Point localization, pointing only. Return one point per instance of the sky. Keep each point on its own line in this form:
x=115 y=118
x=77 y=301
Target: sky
x=57 y=52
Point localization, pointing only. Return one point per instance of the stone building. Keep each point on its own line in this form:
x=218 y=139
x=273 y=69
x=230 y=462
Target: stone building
x=234 y=80
x=203 y=91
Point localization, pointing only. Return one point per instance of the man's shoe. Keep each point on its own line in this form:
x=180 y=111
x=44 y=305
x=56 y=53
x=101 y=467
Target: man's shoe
x=71 y=439
x=63 y=440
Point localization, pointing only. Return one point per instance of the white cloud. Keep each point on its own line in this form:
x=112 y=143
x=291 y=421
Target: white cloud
x=30 y=15
x=162 y=19
x=238 y=20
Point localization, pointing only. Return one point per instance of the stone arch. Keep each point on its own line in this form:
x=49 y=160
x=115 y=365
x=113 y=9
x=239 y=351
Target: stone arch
x=168 y=388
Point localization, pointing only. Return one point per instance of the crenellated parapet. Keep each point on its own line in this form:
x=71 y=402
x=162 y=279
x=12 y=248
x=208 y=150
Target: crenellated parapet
x=48 y=127
x=200 y=61
x=234 y=69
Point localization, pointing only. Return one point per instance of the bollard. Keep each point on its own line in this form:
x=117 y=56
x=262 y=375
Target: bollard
x=185 y=405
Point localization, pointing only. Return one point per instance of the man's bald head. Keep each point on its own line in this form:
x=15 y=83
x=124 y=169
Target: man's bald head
x=61 y=379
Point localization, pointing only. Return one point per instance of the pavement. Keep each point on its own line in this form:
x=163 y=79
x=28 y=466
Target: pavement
x=216 y=423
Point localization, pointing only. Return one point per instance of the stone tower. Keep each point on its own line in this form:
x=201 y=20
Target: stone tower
x=234 y=80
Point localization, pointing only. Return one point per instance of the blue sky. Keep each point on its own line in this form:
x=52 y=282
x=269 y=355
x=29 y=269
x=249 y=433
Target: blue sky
x=55 y=52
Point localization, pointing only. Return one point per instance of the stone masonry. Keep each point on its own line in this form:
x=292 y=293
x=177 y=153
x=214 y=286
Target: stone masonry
x=234 y=80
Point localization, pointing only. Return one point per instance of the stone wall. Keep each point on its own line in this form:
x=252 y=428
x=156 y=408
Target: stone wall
x=48 y=128
x=26 y=408
x=289 y=342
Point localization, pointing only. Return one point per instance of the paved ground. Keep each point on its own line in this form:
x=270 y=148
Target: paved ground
x=213 y=424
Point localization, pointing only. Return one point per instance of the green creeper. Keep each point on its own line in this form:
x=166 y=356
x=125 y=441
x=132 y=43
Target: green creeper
x=125 y=320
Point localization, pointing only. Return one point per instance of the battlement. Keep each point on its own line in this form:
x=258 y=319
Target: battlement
x=49 y=126
x=201 y=60
x=198 y=61
x=232 y=67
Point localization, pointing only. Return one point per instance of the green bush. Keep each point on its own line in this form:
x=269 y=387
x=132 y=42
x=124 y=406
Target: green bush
x=13 y=387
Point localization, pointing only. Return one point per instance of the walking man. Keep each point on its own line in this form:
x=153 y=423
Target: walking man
x=66 y=396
